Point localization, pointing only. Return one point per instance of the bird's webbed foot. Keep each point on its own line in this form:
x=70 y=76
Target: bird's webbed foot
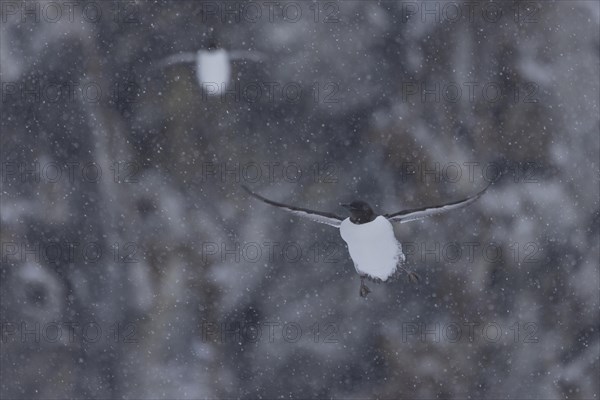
x=364 y=290
x=413 y=277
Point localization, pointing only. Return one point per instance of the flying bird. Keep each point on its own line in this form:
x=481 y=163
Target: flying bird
x=213 y=65
x=370 y=239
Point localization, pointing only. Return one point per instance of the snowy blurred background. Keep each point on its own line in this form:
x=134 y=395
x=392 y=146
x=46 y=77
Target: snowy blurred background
x=133 y=266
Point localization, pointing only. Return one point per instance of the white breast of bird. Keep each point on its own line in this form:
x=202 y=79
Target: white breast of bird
x=213 y=69
x=373 y=247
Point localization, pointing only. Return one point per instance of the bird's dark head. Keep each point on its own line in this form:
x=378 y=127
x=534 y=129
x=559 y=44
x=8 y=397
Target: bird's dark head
x=212 y=44
x=360 y=212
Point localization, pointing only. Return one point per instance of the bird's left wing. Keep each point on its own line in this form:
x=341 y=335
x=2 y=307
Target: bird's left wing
x=424 y=212
x=317 y=216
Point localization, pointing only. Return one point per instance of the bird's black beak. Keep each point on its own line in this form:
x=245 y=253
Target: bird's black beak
x=346 y=206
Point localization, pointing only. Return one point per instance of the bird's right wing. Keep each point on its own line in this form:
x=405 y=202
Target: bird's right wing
x=316 y=216
x=424 y=212
x=255 y=56
x=176 y=59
